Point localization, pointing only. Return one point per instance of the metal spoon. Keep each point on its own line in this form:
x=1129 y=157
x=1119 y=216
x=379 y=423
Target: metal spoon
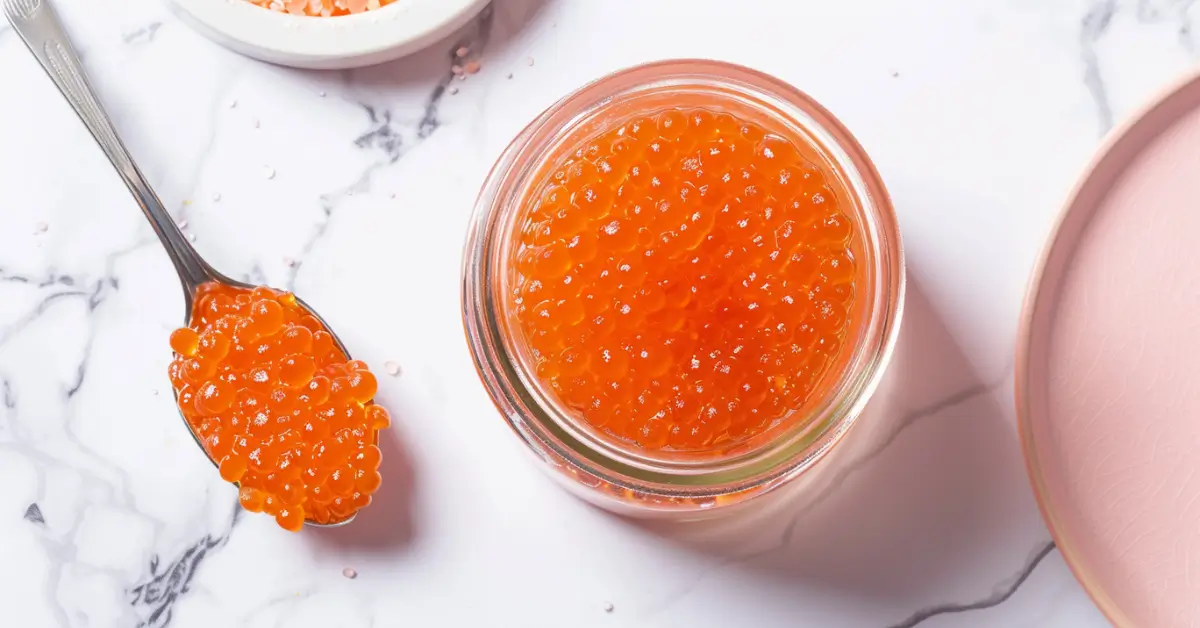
x=36 y=22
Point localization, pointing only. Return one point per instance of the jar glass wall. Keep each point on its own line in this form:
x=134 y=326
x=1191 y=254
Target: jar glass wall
x=612 y=472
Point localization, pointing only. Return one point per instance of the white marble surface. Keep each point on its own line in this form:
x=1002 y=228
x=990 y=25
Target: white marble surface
x=978 y=113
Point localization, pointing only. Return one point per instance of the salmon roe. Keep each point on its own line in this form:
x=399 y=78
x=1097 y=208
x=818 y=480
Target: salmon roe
x=322 y=8
x=278 y=406
x=683 y=280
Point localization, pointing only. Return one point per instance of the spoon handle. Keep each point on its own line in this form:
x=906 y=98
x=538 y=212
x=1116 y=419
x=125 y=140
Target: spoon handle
x=36 y=22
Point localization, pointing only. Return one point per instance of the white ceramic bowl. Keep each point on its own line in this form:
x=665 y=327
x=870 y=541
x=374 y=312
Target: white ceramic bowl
x=327 y=42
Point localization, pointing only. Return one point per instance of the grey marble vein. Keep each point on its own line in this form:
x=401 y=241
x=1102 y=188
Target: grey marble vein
x=1177 y=12
x=10 y=331
x=844 y=474
x=383 y=136
x=93 y=290
x=998 y=597
x=1094 y=25
x=143 y=35
x=216 y=107
x=109 y=478
x=49 y=278
x=60 y=546
x=386 y=134
x=10 y=396
x=94 y=300
x=256 y=275
x=154 y=598
x=59 y=554
x=167 y=583
x=905 y=422
x=112 y=480
x=33 y=514
x=1187 y=31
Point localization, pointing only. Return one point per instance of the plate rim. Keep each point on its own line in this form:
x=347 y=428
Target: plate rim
x=339 y=42
x=1114 y=141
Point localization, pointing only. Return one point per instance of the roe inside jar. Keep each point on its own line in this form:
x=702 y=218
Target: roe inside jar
x=683 y=275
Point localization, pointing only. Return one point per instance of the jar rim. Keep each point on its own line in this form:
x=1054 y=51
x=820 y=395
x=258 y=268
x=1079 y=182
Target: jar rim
x=544 y=427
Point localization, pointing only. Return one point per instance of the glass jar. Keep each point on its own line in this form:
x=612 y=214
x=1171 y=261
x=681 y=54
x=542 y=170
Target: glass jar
x=623 y=478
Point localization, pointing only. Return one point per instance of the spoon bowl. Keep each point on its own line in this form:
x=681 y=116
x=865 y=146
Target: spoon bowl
x=37 y=24
x=190 y=292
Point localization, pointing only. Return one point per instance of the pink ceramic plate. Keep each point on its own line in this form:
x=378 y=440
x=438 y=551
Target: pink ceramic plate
x=1108 y=371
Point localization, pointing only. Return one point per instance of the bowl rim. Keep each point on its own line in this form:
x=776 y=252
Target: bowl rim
x=327 y=42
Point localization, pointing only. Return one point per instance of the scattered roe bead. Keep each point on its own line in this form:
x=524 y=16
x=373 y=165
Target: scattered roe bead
x=185 y=341
x=684 y=279
x=252 y=376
